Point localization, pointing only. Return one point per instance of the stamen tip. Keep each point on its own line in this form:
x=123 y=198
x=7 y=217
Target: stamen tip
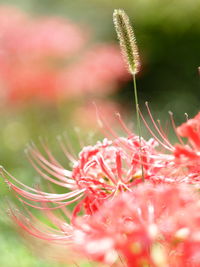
x=186 y=115
x=117 y=114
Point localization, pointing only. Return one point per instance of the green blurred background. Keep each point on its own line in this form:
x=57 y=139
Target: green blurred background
x=168 y=36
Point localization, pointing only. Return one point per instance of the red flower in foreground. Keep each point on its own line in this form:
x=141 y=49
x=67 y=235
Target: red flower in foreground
x=149 y=223
x=183 y=159
x=147 y=227
x=100 y=172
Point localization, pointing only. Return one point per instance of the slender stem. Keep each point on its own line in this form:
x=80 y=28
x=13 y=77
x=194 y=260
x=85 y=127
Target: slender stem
x=136 y=106
x=138 y=120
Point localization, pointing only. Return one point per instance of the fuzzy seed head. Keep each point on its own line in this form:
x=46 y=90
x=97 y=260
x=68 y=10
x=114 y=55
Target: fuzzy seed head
x=127 y=40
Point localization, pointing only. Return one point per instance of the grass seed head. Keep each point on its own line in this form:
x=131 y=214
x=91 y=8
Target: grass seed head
x=127 y=40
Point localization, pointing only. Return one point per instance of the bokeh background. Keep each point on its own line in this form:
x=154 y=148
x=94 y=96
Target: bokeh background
x=58 y=57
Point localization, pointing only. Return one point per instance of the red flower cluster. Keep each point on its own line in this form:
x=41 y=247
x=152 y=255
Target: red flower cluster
x=39 y=59
x=133 y=203
x=149 y=226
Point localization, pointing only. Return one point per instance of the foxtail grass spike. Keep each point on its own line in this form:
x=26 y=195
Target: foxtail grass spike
x=130 y=52
x=127 y=40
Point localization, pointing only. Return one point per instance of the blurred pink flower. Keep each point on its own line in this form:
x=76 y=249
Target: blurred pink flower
x=99 y=71
x=46 y=58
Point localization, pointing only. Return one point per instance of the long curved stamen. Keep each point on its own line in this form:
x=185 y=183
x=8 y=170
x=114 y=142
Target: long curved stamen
x=47 y=166
x=29 y=227
x=103 y=124
x=65 y=228
x=154 y=136
x=61 y=204
x=65 y=150
x=123 y=125
x=40 y=196
x=156 y=127
x=51 y=162
x=47 y=177
x=175 y=128
x=49 y=154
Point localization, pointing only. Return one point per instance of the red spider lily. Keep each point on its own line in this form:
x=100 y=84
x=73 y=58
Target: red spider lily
x=147 y=227
x=189 y=154
x=109 y=170
x=119 y=215
x=183 y=160
x=100 y=172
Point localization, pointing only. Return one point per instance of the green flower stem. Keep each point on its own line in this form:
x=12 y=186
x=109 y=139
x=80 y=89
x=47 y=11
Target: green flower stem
x=138 y=121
